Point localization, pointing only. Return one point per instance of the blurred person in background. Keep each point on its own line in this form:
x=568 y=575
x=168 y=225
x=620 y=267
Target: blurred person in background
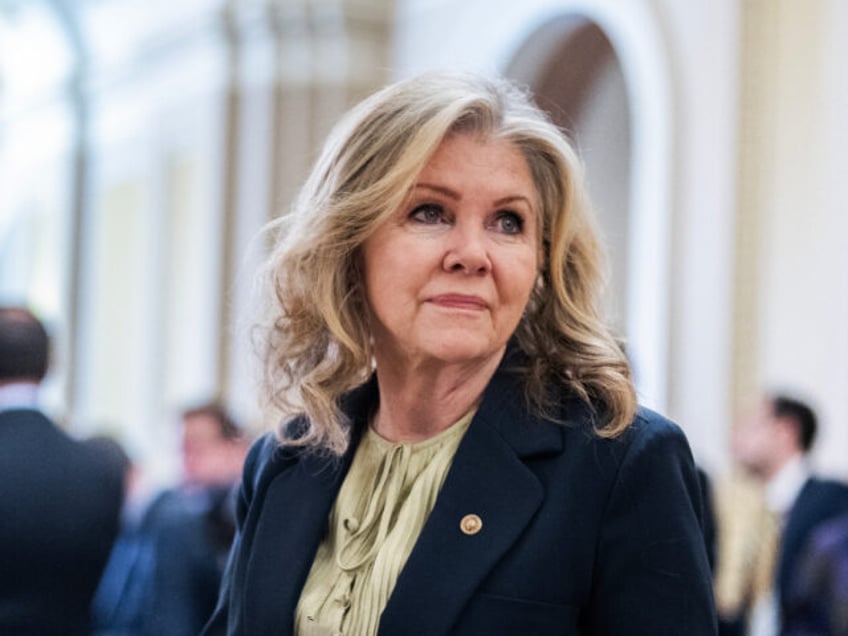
x=60 y=498
x=817 y=601
x=213 y=452
x=164 y=573
x=773 y=516
x=134 y=597
x=465 y=454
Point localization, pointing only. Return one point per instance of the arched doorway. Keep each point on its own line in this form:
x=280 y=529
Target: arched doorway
x=576 y=76
x=614 y=104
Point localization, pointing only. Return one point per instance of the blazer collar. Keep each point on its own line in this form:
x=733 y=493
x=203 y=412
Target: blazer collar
x=488 y=478
x=293 y=521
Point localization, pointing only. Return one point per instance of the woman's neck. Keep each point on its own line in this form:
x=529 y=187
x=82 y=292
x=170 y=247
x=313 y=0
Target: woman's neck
x=420 y=401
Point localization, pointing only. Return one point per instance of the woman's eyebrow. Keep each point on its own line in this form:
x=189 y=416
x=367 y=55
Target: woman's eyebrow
x=513 y=199
x=453 y=194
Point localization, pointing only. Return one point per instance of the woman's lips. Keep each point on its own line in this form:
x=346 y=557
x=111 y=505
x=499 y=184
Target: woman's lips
x=459 y=301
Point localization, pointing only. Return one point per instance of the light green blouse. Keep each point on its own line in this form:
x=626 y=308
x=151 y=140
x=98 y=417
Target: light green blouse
x=381 y=508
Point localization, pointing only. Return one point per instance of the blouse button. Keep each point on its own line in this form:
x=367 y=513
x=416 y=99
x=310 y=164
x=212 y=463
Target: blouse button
x=344 y=600
x=351 y=525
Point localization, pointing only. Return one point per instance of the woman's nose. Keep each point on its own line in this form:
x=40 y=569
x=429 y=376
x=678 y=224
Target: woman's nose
x=467 y=251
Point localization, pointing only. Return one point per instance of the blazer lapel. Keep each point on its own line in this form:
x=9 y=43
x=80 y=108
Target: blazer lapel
x=294 y=520
x=288 y=532
x=489 y=479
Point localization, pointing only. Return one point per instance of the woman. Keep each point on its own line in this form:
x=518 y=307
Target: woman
x=466 y=455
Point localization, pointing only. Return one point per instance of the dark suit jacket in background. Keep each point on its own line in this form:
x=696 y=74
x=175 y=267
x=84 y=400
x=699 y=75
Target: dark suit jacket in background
x=163 y=575
x=580 y=535
x=818 y=501
x=59 y=508
x=818 y=598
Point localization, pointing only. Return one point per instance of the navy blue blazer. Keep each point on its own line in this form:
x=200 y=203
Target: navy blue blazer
x=580 y=535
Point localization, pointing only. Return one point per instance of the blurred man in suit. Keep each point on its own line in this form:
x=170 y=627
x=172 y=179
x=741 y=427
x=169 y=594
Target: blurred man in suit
x=773 y=446
x=59 y=498
x=213 y=451
x=164 y=573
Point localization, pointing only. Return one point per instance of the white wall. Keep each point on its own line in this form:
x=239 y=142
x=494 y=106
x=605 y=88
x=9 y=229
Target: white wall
x=150 y=287
x=703 y=54
x=803 y=322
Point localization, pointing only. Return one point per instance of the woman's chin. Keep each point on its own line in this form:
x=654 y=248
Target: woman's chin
x=463 y=350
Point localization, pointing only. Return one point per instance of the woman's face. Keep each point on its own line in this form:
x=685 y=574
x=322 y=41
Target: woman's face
x=449 y=274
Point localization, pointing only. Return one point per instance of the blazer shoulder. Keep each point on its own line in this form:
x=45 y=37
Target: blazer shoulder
x=655 y=422
x=829 y=494
x=830 y=486
x=650 y=445
x=649 y=427
x=261 y=457
x=269 y=455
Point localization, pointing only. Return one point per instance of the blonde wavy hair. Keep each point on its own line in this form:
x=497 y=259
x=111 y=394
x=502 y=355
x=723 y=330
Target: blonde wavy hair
x=316 y=344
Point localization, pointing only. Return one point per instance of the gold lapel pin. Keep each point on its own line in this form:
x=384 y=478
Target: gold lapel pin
x=471 y=524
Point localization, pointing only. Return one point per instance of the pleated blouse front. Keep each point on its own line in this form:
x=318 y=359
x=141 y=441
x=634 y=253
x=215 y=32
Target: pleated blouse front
x=382 y=506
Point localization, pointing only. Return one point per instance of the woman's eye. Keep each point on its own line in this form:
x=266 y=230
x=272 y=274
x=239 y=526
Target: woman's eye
x=427 y=213
x=510 y=223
